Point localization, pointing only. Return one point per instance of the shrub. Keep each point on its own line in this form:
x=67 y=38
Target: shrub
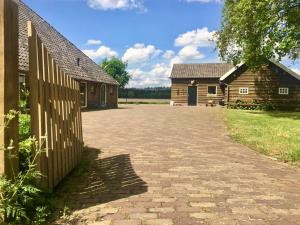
x=252 y=105
x=22 y=201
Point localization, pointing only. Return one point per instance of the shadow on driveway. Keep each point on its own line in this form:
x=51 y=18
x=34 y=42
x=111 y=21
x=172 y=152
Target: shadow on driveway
x=96 y=181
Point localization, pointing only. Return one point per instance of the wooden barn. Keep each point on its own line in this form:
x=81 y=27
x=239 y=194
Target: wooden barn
x=222 y=83
x=97 y=89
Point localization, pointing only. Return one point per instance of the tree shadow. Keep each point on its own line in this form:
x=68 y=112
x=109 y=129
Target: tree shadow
x=96 y=181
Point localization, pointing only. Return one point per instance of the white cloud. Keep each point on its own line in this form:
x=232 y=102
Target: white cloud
x=101 y=52
x=296 y=70
x=199 y=37
x=140 y=53
x=157 y=76
x=116 y=4
x=187 y=54
x=168 y=54
x=93 y=42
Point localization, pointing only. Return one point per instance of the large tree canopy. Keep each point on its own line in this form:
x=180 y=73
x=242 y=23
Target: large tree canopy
x=255 y=30
x=117 y=69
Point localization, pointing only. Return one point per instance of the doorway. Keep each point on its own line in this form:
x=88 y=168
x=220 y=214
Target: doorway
x=192 y=95
x=103 y=95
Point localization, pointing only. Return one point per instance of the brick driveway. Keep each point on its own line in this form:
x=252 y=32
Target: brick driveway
x=162 y=165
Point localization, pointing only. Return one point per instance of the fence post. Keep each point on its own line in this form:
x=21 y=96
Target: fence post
x=8 y=80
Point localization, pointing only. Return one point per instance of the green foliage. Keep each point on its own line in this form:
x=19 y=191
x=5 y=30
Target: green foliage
x=253 y=31
x=24 y=126
x=252 y=105
x=22 y=201
x=117 y=69
x=146 y=93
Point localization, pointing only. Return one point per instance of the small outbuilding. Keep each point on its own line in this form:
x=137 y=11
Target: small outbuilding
x=97 y=88
x=222 y=83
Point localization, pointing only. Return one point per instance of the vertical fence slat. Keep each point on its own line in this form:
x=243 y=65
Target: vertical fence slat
x=41 y=109
x=48 y=119
x=33 y=83
x=53 y=118
x=57 y=121
x=8 y=81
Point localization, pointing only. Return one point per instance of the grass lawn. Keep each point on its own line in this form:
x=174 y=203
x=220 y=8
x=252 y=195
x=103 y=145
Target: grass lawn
x=276 y=134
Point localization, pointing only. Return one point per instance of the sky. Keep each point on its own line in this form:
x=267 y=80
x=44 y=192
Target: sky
x=151 y=35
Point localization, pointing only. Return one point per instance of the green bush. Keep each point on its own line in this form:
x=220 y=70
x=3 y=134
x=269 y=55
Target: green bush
x=22 y=200
x=252 y=105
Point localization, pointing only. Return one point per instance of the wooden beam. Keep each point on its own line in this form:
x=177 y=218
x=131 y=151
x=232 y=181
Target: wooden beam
x=8 y=80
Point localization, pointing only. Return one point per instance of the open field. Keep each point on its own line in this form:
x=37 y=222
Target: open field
x=276 y=134
x=143 y=101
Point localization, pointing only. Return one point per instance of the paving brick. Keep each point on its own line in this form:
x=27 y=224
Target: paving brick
x=127 y=222
x=143 y=216
x=159 y=222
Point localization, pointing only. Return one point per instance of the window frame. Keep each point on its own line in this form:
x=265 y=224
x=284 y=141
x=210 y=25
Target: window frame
x=242 y=92
x=286 y=92
x=86 y=92
x=208 y=94
x=111 y=90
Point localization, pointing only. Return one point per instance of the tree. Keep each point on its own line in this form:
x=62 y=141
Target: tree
x=117 y=69
x=253 y=31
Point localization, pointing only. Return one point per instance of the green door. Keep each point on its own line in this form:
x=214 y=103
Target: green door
x=192 y=98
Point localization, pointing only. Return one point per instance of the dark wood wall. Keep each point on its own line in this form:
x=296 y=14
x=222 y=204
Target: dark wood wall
x=179 y=90
x=264 y=85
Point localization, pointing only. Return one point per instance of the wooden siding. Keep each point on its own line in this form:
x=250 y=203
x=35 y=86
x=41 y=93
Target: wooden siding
x=179 y=90
x=263 y=86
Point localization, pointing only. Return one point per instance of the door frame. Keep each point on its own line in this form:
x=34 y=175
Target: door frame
x=196 y=86
x=86 y=93
x=105 y=95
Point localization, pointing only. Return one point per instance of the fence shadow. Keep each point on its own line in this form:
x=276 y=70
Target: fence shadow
x=96 y=181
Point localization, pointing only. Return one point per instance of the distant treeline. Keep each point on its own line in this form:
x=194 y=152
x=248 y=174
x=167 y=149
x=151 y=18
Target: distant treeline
x=155 y=93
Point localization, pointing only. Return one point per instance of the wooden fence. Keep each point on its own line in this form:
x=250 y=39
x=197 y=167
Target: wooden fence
x=55 y=112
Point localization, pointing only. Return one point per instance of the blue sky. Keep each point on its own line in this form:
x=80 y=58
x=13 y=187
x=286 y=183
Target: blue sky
x=150 y=34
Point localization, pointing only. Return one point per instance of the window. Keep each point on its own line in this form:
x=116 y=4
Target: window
x=211 y=90
x=111 y=90
x=244 y=91
x=92 y=88
x=283 y=91
x=83 y=94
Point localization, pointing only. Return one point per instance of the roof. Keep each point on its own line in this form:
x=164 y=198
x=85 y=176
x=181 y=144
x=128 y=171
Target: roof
x=203 y=70
x=283 y=67
x=60 y=48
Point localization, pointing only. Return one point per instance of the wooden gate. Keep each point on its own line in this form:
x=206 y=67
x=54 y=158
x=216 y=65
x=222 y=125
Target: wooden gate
x=55 y=112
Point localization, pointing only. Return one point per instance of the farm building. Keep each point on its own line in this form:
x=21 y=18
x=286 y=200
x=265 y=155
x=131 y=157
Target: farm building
x=97 y=89
x=222 y=83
